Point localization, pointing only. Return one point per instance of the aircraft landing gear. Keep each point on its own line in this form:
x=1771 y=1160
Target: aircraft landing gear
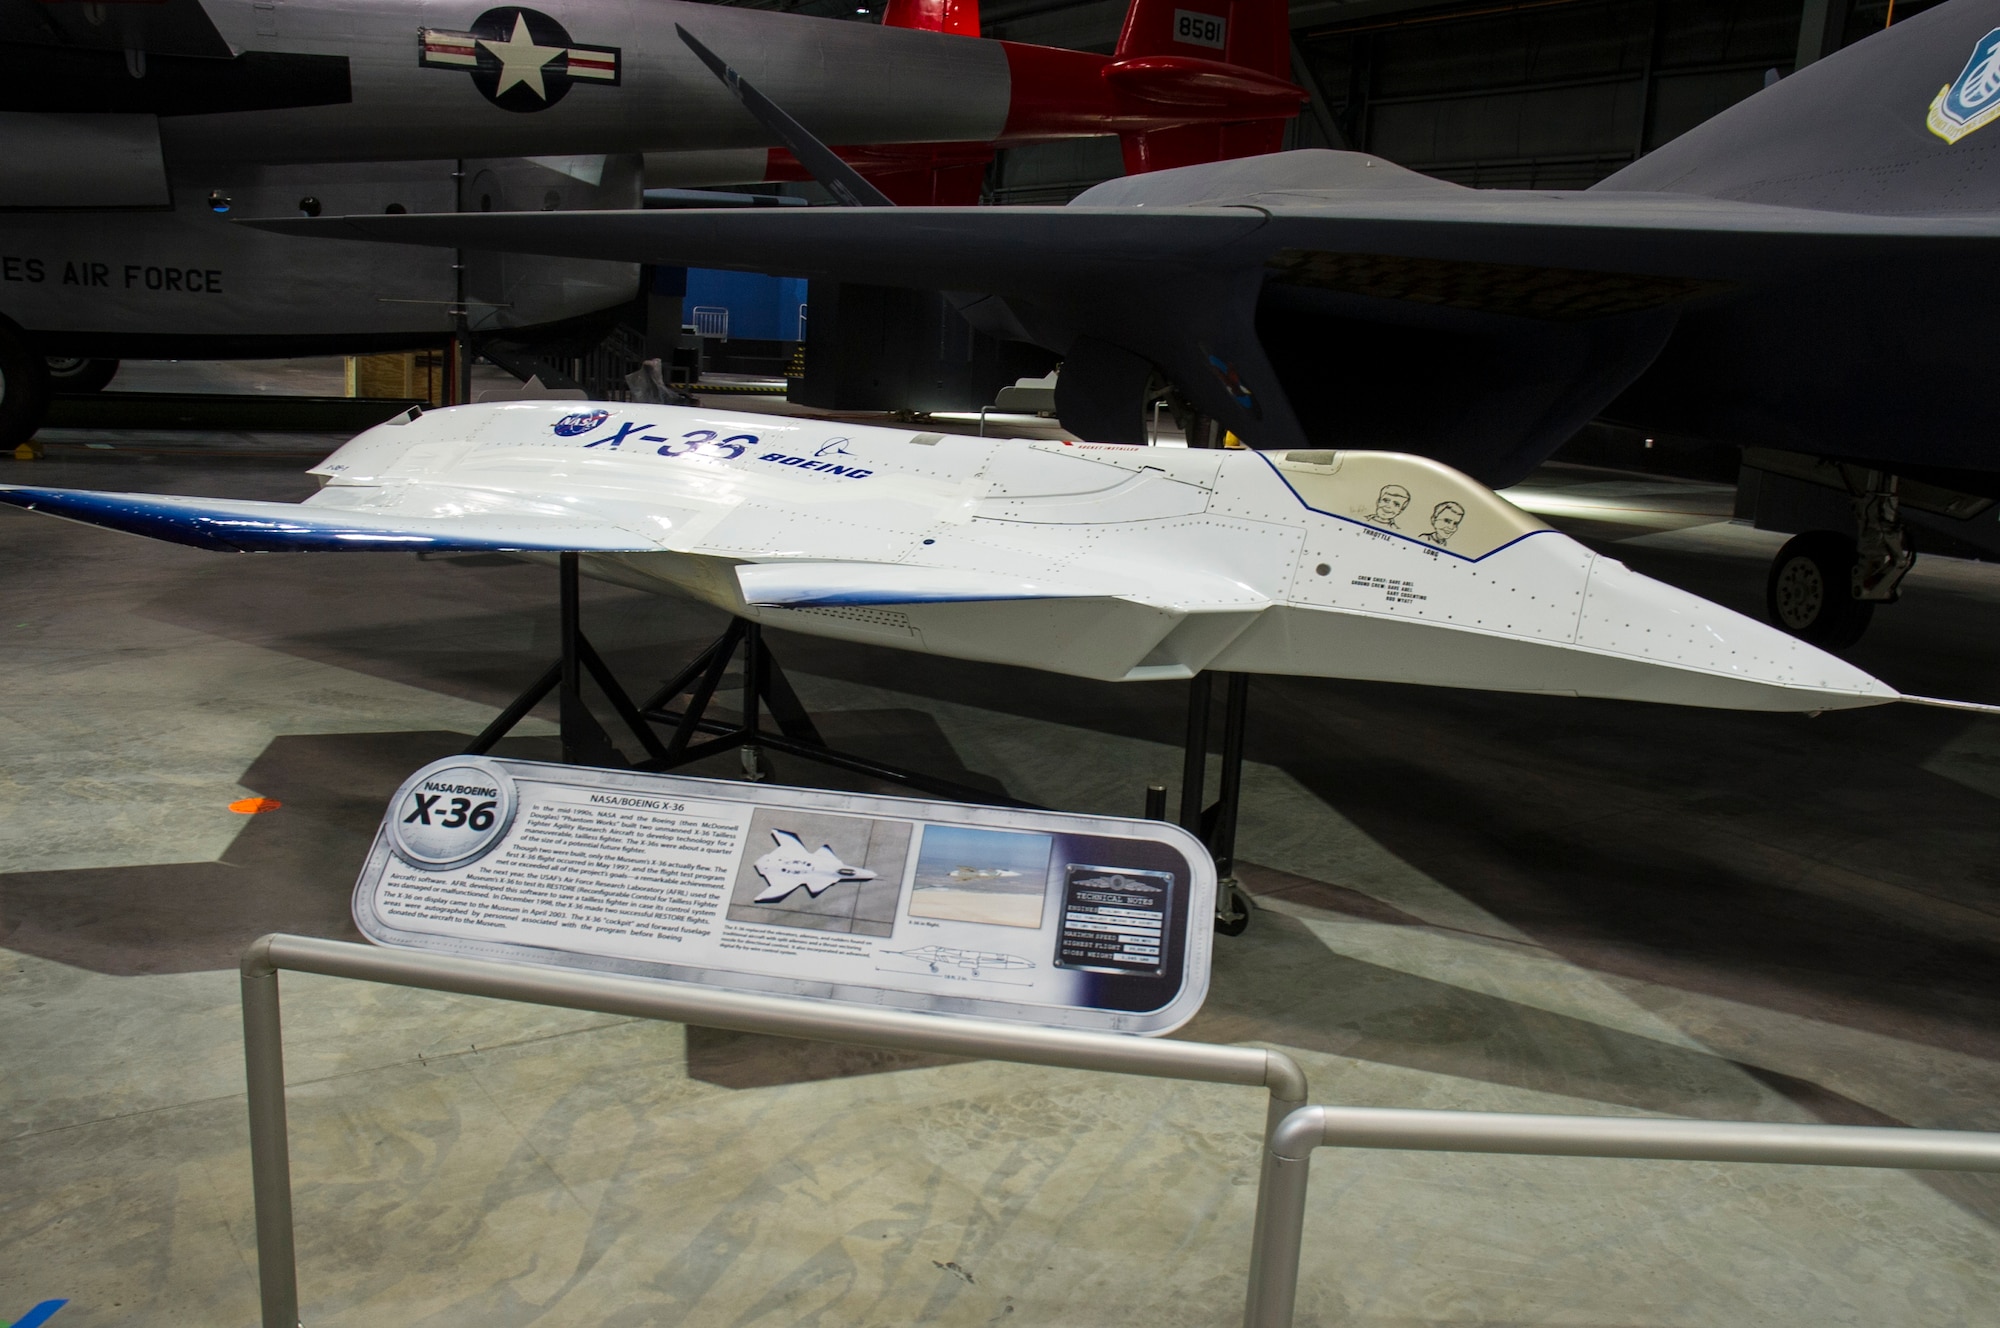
x=1824 y=586
x=73 y=373
x=24 y=389
x=1809 y=592
x=1883 y=555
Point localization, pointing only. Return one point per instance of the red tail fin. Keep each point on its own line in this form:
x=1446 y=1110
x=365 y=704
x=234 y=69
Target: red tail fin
x=960 y=17
x=1252 y=34
x=1237 y=49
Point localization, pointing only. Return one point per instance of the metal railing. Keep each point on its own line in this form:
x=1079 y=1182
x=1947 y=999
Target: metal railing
x=1281 y=1202
x=824 y=1021
x=711 y=320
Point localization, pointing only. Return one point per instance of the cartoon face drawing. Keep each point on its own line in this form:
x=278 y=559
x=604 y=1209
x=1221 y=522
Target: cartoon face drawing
x=1445 y=521
x=1389 y=504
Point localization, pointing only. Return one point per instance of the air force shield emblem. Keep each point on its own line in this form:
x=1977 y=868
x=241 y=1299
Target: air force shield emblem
x=1974 y=98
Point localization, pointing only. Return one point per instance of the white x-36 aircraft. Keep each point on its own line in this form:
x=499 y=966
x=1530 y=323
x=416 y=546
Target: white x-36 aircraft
x=790 y=866
x=1110 y=562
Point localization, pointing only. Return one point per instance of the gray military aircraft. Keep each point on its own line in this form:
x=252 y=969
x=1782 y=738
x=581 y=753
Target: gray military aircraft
x=1801 y=272
x=183 y=282
x=128 y=128
x=378 y=80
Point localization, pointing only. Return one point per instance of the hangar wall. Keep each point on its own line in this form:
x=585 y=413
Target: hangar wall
x=1547 y=95
x=1531 y=94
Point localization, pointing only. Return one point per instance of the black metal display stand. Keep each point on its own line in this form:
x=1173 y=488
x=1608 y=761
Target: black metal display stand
x=766 y=690
x=584 y=741
x=1215 y=824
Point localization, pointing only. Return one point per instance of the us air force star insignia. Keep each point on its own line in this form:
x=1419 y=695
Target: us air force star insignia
x=519 y=59
x=1973 y=99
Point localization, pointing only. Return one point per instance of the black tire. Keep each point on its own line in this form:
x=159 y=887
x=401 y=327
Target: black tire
x=71 y=374
x=24 y=389
x=1810 y=593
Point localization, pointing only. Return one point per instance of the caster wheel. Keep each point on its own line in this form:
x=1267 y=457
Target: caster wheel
x=1810 y=593
x=1233 y=917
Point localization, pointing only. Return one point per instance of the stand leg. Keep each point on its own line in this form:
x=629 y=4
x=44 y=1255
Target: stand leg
x=584 y=741
x=681 y=681
x=755 y=665
x=1194 y=761
x=1232 y=904
x=619 y=700
x=784 y=703
x=1235 y=710
x=711 y=665
x=504 y=722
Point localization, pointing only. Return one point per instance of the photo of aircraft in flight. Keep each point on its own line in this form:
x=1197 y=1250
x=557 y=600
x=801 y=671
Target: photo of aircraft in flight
x=1112 y=562
x=134 y=132
x=792 y=866
x=967 y=875
x=1784 y=276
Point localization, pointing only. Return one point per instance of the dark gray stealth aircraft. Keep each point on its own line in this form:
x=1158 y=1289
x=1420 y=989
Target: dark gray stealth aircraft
x=1805 y=273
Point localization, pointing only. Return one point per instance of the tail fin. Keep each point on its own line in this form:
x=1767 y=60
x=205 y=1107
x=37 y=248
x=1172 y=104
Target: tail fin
x=1902 y=121
x=958 y=17
x=1251 y=34
x=1239 y=49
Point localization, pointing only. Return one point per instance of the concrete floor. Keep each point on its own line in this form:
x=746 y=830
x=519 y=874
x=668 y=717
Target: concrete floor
x=1470 y=900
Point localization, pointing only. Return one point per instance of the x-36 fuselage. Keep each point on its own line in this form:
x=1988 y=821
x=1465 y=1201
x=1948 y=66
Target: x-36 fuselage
x=1108 y=562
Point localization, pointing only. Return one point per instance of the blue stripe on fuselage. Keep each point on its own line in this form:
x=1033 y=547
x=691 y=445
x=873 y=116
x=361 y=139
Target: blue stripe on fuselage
x=832 y=598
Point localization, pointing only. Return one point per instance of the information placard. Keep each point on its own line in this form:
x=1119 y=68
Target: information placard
x=1041 y=917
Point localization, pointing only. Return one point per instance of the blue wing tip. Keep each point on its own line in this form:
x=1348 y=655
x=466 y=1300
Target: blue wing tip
x=261 y=527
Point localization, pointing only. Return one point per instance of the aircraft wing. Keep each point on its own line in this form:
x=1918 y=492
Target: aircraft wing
x=917 y=247
x=1539 y=307
x=1031 y=251
x=241 y=526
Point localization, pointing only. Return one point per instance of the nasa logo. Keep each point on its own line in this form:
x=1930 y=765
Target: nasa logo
x=519 y=59
x=1973 y=99
x=569 y=426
